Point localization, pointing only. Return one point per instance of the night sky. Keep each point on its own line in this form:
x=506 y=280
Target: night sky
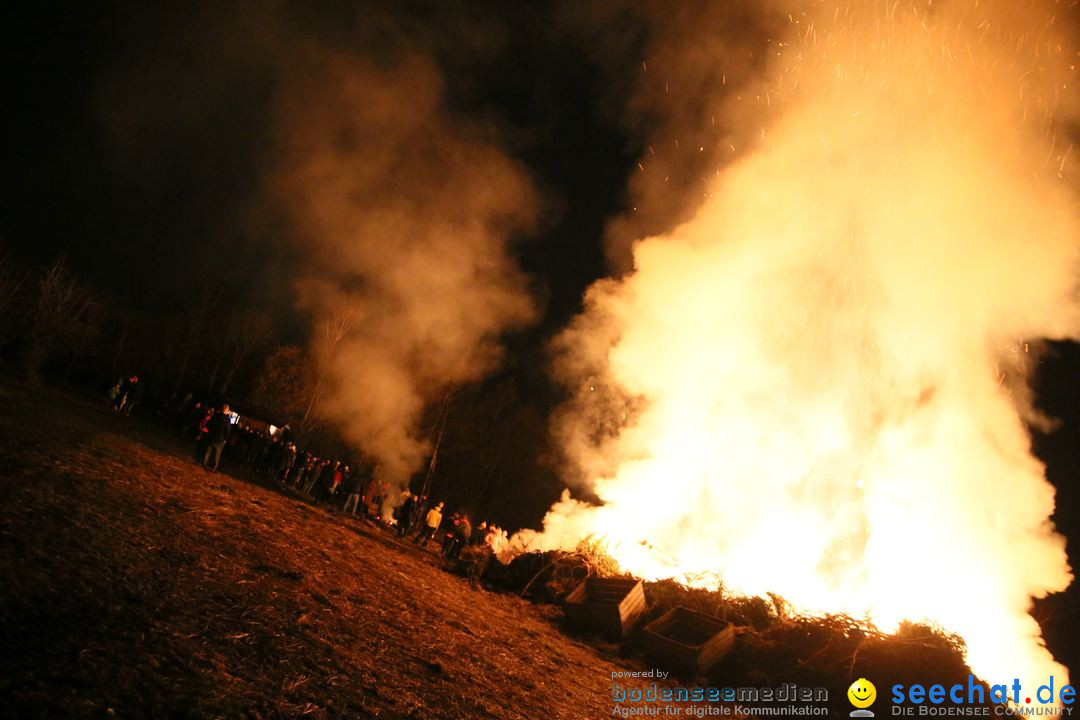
x=142 y=146
x=137 y=139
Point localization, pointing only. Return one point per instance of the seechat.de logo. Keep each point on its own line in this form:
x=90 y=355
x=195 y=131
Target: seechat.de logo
x=862 y=694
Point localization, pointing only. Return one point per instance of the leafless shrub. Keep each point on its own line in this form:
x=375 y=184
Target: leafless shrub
x=12 y=283
x=64 y=314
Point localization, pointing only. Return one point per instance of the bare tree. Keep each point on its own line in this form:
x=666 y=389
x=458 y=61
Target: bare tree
x=283 y=384
x=137 y=339
x=119 y=346
x=330 y=334
x=65 y=314
x=193 y=331
x=12 y=281
x=246 y=332
x=438 y=431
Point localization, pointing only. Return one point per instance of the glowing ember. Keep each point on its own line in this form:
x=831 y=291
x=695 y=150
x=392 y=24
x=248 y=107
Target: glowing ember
x=816 y=386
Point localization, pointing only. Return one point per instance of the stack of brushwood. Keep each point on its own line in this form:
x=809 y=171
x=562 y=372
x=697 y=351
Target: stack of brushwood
x=773 y=645
x=549 y=576
x=754 y=612
x=473 y=562
x=834 y=650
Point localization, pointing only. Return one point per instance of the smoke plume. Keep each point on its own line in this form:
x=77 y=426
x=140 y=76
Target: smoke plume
x=816 y=385
x=405 y=212
x=679 y=78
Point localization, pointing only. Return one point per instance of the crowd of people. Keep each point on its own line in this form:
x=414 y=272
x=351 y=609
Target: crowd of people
x=456 y=531
x=353 y=490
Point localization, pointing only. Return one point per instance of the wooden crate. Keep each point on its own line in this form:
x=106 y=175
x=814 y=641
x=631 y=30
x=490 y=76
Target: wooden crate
x=606 y=605
x=686 y=640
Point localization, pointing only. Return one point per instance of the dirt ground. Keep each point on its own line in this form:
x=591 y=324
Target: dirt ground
x=137 y=584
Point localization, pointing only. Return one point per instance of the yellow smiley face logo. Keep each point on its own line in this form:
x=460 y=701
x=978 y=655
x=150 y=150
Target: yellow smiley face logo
x=862 y=693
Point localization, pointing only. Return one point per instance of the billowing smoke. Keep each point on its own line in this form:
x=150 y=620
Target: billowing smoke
x=816 y=385
x=690 y=69
x=405 y=212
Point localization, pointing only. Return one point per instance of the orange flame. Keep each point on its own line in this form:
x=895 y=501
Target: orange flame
x=816 y=386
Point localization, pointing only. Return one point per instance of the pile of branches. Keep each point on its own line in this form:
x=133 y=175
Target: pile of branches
x=547 y=577
x=774 y=644
x=754 y=612
x=832 y=650
x=473 y=562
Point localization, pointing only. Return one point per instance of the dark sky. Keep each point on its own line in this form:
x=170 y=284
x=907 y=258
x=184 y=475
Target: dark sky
x=136 y=138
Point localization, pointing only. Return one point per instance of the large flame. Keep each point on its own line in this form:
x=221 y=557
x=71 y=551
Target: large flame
x=822 y=373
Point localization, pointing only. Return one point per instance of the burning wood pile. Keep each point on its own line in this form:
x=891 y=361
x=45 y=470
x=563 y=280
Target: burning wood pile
x=725 y=639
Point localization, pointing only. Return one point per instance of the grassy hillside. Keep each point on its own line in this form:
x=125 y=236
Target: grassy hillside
x=136 y=584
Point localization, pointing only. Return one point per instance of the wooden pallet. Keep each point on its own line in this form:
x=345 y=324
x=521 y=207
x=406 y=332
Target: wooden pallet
x=688 y=641
x=610 y=606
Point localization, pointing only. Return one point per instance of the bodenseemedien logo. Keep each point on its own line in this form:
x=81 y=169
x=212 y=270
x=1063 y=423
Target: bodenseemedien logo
x=862 y=694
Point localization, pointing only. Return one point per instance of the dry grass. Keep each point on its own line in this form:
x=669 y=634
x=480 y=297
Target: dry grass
x=136 y=584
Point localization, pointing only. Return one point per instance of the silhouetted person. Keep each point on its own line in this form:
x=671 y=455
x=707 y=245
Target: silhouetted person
x=405 y=514
x=460 y=532
x=325 y=486
x=133 y=395
x=299 y=471
x=314 y=469
x=288 y=460
x=114 y=393
x=202 y=430
x=189 y=425
x=121 y=395
x=478 y=534
x=336 y=478
x=448 y=533
x=217 y=433
x=353 y=485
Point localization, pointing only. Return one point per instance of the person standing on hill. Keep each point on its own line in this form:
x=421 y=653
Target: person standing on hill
x=217 y=433
x=288 y=462
x=459 y=535
x=325 y=485
x=447 y=534
x=189 y=426
x=299 y=471
x=121 y=393
x=133 y=395
x=478 y=533
x=114 y=393
x=336 y=478
x=201 y=432
x=431 y=524
x=405 y=514
x=353 y=484
x=311 y=473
